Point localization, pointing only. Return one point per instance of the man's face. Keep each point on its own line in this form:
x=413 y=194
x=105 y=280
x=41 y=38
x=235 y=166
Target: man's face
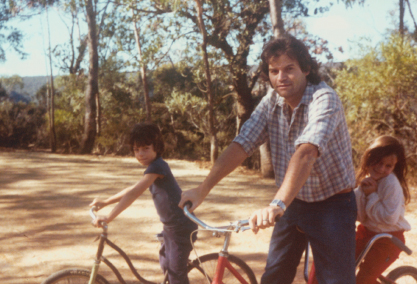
x=287 y=79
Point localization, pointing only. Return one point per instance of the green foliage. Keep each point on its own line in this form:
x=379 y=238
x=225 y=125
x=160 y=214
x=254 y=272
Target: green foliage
x=379 y=94
x=21 y=125
x=12 y=83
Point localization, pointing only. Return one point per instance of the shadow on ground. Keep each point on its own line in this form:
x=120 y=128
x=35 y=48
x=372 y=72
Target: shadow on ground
x=45 y=224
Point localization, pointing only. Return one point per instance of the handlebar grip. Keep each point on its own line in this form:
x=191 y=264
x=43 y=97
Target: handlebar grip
x=92 y=210
x=401 y=245
x=188 y=204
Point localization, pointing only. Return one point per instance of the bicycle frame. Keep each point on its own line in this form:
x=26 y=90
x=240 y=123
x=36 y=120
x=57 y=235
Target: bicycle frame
x=358 y=261
x=99 y=257
x=222 y=262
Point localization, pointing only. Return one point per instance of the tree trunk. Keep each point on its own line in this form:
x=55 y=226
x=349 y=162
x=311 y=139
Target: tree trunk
x=402 y=8
x=52 y=134
x=245 y=104
x=98 y=115
x=275 y=7
x=92 y=87
x=214 y=148
x=142 y=70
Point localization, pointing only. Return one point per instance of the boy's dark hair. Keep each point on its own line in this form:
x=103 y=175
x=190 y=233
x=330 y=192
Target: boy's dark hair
x=294 y=49
x=145 y=134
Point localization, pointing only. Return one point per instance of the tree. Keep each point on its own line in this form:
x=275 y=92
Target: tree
x=143 y=71
x=214 y=149
x=92 y=87
x=378 y=92
x=51 y=92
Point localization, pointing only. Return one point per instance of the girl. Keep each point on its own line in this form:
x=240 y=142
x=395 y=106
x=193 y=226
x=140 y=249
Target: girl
x=381 y=197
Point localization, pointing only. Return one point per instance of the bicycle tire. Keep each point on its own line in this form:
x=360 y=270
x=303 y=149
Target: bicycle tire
x=73 y=276
x=403 y=275
x=197 y=273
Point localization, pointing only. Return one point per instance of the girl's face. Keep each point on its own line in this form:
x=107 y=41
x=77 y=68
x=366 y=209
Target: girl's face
x=144 y=154
x=383 y=168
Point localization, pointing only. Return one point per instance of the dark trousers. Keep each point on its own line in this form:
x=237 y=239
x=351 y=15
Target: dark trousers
x=329 y=225
x=174 y=253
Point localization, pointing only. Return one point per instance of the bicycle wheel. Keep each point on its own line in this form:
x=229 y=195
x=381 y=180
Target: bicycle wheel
x=403 y=275
x=203 y=273
x=73 y=276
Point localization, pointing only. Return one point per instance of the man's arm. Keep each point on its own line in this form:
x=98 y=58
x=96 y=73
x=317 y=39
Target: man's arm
x=229 y=160
x=297 y=173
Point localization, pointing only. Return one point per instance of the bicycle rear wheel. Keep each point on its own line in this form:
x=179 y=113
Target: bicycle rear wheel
x=73 y=276
x=403 y=275
x=203 y=273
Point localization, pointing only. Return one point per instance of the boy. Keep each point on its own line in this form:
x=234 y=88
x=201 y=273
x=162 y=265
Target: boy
x=147 y=144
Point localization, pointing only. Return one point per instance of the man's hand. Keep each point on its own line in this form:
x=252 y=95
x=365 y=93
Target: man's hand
x=195 y=196
x=368 y=185
x=264 y=218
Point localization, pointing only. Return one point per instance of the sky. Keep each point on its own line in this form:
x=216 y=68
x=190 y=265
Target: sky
x=342 y=27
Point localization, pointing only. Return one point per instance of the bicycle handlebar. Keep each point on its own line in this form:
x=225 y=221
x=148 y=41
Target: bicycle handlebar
x=94 y=216
x=401 y=245
x=236 y=226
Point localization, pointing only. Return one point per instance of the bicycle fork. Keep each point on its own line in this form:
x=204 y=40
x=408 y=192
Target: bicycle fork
x=223 y=263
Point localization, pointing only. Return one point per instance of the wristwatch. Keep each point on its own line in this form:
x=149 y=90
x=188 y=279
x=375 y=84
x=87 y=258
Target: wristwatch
x=278 y=203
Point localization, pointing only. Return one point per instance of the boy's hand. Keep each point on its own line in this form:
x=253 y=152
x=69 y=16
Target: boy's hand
x=368 y=185
x=98 y=221
x=98 y=203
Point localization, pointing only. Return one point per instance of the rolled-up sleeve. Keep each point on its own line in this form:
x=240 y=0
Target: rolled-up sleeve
x=254 y=131
x=324 y=115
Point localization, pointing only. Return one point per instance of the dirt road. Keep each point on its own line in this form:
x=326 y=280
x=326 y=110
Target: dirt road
x=45 y=226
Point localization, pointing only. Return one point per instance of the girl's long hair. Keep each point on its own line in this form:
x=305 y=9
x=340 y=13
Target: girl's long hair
x=385 y=146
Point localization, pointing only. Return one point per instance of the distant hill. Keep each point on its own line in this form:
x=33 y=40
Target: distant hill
x=32 y=85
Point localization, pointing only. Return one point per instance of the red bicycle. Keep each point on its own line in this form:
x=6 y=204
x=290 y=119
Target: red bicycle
x=223 y=268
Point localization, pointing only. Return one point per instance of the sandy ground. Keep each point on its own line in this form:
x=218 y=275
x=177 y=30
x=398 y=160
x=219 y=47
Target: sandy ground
x=45 y=226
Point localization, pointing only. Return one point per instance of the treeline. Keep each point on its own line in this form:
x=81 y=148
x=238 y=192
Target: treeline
x=378 y=92
x=178 y=107
x=192 y=76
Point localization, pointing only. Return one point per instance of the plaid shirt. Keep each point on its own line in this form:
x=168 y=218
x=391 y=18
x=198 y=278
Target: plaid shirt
x=319 y=120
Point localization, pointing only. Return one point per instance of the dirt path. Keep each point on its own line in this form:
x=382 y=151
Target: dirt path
x=44 y=225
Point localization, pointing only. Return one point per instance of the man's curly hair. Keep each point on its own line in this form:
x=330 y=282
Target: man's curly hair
x=294 y=49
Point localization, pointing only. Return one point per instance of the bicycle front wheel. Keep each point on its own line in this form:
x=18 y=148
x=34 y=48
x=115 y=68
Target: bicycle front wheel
x=73 y=276
x=403 y=275
x=203 y=273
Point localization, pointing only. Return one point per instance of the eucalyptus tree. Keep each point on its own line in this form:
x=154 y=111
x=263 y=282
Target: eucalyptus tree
x=214 y=149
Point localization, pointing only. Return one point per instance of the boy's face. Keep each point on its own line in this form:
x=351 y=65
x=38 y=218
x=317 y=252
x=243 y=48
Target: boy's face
x=144 y=154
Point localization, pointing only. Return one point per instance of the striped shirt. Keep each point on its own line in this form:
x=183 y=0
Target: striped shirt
x=319 y=120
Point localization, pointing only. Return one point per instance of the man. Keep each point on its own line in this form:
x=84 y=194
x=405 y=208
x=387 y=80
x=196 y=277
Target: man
x=311 y=152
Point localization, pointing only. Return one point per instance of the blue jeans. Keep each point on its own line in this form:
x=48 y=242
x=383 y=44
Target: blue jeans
x=329 y=225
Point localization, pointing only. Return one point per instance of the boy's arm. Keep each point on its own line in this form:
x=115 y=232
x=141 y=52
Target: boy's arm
x=128 y=195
